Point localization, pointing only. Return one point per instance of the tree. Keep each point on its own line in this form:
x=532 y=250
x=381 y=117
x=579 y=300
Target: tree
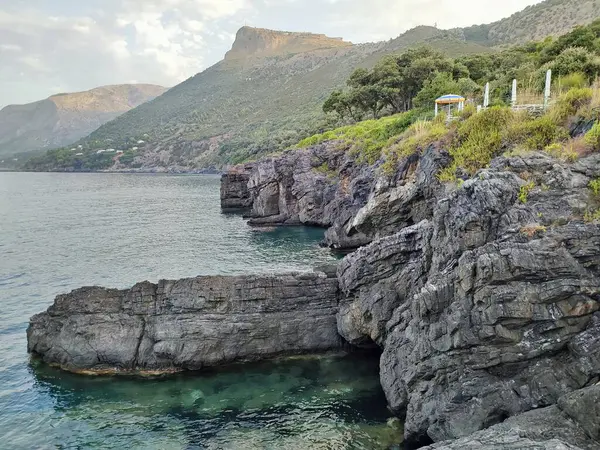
x=576 y=59
x=441 y=84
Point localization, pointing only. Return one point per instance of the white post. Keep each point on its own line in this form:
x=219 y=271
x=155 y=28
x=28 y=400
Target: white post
x=479 y=108
x=436 y=109
x=548 y=87
x=513 y=100
x=486 y=97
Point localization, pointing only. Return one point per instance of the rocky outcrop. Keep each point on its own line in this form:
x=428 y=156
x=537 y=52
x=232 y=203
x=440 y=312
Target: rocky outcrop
x=327 y=186
x=489 y=308
x=483 y=297
x=551 y=428
x=261 y=43
x=234 y=188
x=187 y=324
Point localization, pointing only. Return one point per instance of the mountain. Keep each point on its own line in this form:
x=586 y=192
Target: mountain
x=64 y=118
x=259 y=42
x=548 y=18
x=267 y=92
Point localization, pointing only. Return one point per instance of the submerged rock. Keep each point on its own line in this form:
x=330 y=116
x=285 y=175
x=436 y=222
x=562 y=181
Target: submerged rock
x=188 y=324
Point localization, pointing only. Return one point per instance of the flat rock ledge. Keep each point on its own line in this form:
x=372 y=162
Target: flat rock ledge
x=187 y=324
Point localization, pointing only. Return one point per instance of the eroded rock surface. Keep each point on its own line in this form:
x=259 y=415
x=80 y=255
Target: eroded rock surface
x=548 y=428
x=188 y=324
x=489 y=308
x=484 y=297
x=327 y=186
x=234 y=188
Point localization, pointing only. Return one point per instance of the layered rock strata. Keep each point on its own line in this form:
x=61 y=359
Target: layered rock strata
x=483 y=296
x=187 y=324
x=327 y=186
x=234 y=188
x=572 y=424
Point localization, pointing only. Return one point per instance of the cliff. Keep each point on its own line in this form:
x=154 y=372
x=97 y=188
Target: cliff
x=64 y=118
x=484 y=302
x=485 y=306
x=260 y=43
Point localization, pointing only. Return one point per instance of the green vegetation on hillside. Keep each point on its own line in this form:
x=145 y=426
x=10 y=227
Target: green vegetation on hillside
x=241 y=109
x=474 y=139
x=548 y=18
x=418 y=76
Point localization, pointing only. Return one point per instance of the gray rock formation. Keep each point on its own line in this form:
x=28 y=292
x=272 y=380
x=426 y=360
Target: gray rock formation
x=234 y=188
x=188 y=324
x=551 y=428
x=488 y=309
x=483 y=297
x=326 y=186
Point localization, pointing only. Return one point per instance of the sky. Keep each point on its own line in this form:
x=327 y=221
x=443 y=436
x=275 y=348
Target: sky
x=54 y=46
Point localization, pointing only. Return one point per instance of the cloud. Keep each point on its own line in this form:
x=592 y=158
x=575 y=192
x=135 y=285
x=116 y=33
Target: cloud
x=81 y=45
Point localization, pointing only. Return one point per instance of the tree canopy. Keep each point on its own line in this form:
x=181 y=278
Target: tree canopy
x=418 y=76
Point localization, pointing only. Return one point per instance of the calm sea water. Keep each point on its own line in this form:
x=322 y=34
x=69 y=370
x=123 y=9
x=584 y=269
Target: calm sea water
x=62 y=231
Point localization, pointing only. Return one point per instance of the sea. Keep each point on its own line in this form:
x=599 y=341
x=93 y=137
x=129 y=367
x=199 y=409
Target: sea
x=61 y=231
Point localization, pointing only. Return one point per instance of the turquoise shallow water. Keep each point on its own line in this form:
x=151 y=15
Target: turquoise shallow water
x=62 y=231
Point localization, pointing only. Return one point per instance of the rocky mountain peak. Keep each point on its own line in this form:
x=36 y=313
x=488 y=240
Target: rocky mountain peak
x=260 y=42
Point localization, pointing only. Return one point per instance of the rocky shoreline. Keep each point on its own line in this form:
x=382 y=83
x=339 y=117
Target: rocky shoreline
x=484 y=297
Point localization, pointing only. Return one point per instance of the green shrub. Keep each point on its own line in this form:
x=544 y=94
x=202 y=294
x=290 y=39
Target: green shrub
x=592 y=215
x=595 y=187
x=536 y=134
x=365 y=139
x=525 y=190
x=562 y=151
x=570 y=102
x=592 y=137
x=479 y=141
x=576 y=80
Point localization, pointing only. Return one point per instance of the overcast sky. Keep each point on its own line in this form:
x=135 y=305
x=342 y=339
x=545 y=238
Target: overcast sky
x=52 y=46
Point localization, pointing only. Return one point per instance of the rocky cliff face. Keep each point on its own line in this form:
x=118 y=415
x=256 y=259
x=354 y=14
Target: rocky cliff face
x=572 y=424
x=234 y=188
x=63 y=119
x=187 y=324
x=326 y=186
x=483 y=297
x=259 y=42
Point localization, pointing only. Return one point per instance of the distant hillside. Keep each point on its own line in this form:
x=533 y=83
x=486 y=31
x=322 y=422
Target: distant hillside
x=64 y=118
x=268 y=91
x=548 y=18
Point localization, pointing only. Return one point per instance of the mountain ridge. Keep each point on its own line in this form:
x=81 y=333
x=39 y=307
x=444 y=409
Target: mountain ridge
x=64 y=118
x=268 y=91
x=262 y=42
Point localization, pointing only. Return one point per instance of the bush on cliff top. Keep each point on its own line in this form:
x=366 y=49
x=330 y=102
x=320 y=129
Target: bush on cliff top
x=365 y=139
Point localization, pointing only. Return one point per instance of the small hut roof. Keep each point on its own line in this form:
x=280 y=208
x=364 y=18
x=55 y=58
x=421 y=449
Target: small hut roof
x=450 y=98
